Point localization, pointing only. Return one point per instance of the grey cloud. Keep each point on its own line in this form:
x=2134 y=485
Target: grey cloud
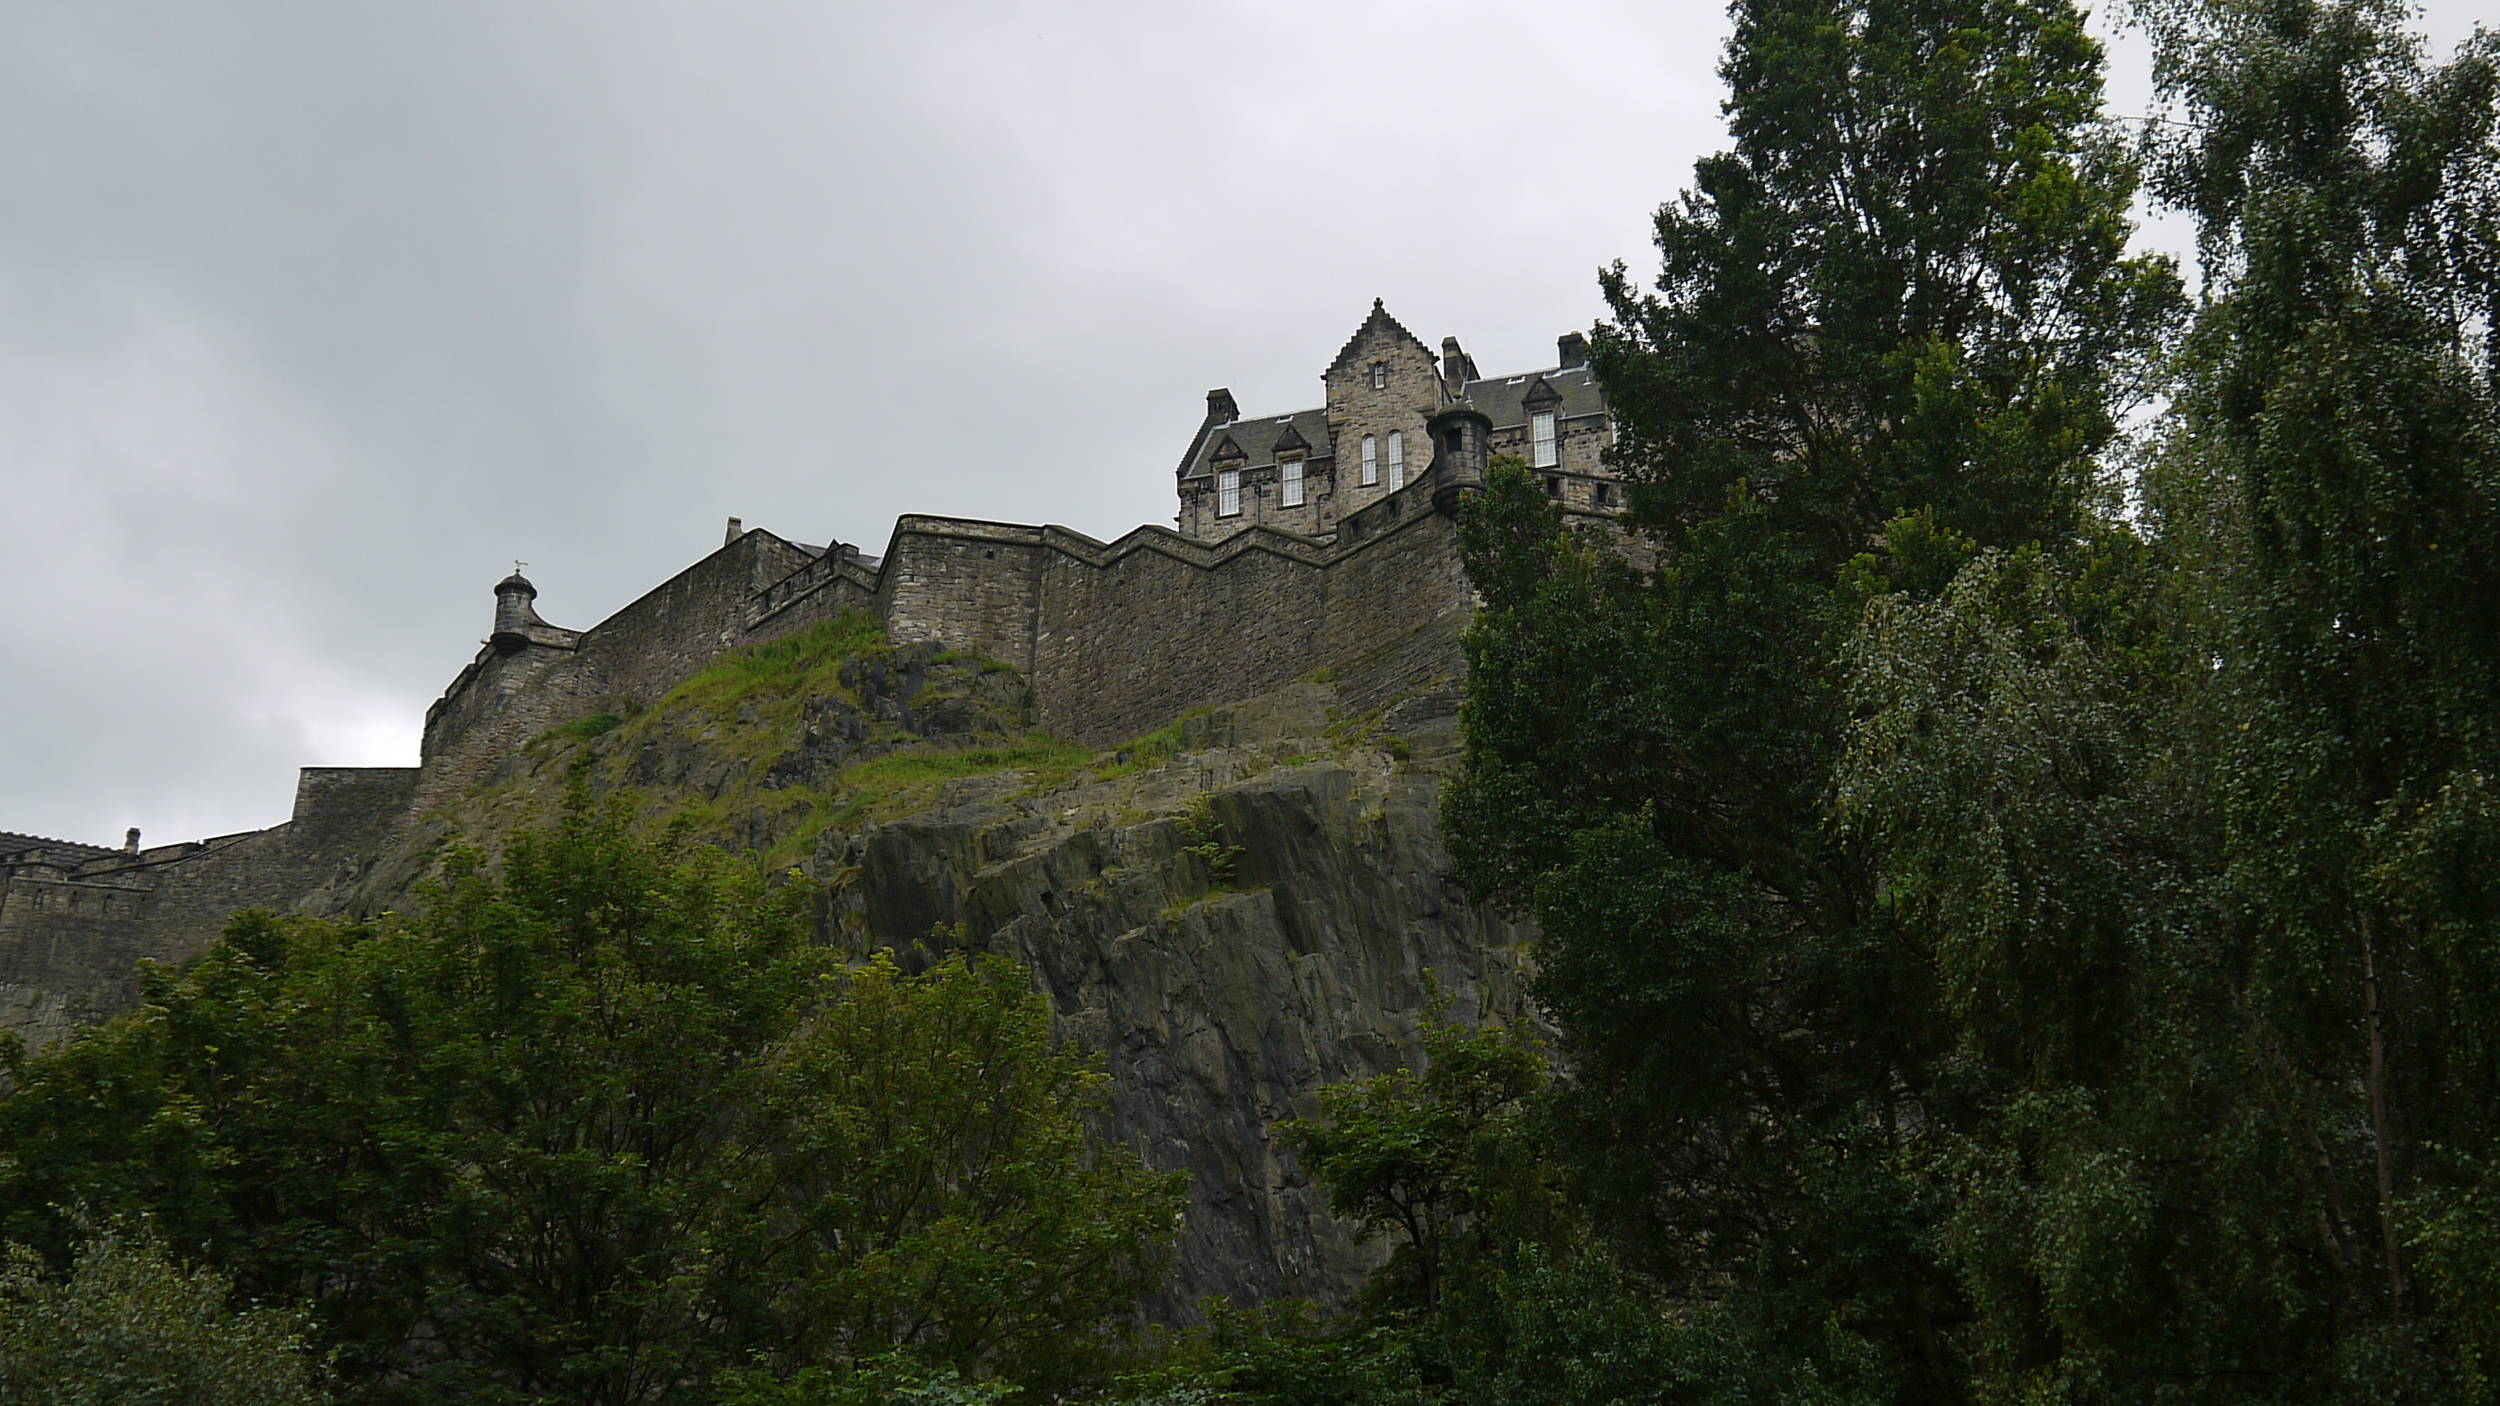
x=313 y=316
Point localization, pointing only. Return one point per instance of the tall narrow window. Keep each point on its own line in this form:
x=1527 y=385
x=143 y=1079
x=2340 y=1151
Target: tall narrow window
x=1371 y=460
x=1228 y=493
x=1541 y=435
x=1397 y=459
x=1380 y=375
x=1289 y=477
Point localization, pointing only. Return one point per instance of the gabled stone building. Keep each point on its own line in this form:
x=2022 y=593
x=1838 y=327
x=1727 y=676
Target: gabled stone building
x=1306 y=470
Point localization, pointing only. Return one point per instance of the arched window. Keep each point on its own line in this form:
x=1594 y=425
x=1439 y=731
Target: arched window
x=1371 y=460
x=1397 y=459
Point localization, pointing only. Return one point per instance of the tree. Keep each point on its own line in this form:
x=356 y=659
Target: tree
x=595 y=1128
x=1895 y=324
x=1419 y=1155
x=2197 y=825
x=129 y=1325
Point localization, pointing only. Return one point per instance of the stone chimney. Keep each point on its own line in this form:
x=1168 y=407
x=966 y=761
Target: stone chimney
x=1456 y=369
x=1220 y=407
x=737 y=530
x=130 y=840
x=1571 y=349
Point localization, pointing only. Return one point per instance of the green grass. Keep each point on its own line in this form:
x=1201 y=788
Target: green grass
x=782 y=671
x=1146 y=752
x=900 y=782
x=597 y=724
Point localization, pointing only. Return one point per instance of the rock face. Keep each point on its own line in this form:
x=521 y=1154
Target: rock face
x=1256 y=917
x=1236 y=910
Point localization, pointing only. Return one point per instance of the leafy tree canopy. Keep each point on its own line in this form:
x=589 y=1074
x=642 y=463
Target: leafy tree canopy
x=596 y=1127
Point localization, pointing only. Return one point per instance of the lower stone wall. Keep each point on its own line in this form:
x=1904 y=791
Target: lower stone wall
x=74 y=940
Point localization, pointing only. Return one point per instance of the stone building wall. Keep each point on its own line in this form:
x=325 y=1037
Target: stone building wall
x=1356 y=409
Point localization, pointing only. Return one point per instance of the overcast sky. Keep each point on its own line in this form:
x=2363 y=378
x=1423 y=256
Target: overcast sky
x=315 y=316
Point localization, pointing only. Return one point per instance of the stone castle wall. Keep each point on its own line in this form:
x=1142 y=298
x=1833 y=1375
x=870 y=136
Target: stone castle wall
x=1115 y=638
x=71 y=937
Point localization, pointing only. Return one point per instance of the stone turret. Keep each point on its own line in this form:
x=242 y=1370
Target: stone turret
x=1462 y=439
x=514 y=615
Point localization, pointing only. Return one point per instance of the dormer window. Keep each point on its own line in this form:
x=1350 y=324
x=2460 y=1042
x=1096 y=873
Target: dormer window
x=1541 y=439
x=1289 y=481
x=1371 y=460
x=1397 y=459
x=1228 y=493
x=1380 y=375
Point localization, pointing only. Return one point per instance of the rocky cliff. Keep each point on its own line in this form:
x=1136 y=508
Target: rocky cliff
x=1236 y=909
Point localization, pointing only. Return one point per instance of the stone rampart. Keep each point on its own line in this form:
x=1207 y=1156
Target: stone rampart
x=1115 y=638
x=512 y=692
x=69 y=938
x=1119 y=637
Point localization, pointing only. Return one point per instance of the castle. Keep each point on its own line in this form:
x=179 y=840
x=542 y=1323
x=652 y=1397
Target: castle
x=1322 y=539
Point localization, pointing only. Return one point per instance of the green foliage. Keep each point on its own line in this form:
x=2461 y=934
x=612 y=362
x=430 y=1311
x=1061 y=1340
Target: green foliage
x=597 y=1128
x=897 y=777
x=1415 y=1154
x=1202 y=838
x=795 y=666
x=2007 y=949
x=127 y=1324
x=1895 y=328
x=596 y=725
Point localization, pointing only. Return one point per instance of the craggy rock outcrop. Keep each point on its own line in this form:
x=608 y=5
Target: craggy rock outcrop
x=1224 y=994
x=1236 y=910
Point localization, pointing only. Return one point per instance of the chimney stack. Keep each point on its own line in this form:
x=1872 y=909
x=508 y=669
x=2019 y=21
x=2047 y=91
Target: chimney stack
x=737 y=530
x=1220 y=407
x=130 y=840
x=1453 y=362
x=1572 y=349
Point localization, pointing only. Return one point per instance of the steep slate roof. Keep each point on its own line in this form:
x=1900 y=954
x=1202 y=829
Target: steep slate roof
x=1256 y=435
x=1503 y=399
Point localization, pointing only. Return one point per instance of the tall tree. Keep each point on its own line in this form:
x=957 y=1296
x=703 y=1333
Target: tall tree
x=2199 y=827
x=2337 y=396
x=1895 y=323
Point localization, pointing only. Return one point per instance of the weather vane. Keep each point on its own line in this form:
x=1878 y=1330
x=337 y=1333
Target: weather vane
x=517 y=564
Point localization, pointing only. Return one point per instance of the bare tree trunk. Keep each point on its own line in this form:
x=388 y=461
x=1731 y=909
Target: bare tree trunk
x=2378 y=1119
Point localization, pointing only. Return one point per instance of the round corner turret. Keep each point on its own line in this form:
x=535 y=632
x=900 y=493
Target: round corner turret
x=1462 y=440
x=514 y=615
